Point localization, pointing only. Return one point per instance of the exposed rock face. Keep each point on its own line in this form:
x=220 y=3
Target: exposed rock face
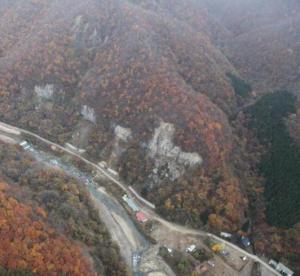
x=122 y=62
x=129 y=62
x=88 y=113
x=121 y=142
x=45 y=92
x=77 y=23
x=164 y=152
x=122 y=133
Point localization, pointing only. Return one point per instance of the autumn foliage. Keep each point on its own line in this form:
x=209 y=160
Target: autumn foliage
x=136 y=63
x=63 y=206
x=133 y=69
x=28 y=244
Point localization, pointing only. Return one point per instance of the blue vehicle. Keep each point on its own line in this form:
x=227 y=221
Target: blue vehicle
x=245 y=241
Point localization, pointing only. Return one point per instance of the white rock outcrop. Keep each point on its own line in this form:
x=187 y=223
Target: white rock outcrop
x=77 y=22
x=163 y=151
x=45 y=92
x=122 y=137
x=88 y=113
x=123 y=133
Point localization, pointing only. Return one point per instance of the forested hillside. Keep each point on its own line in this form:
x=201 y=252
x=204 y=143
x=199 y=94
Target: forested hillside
x=170 y=95
x=264 y=40
x=76 y=77
x=49 y=224
x=280 y=164
x=29 y=245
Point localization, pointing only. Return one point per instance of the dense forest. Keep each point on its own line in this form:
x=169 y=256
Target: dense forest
x=241 y=87
x=275 y=197
x=29 y=245
x=75 y=71
x=281 y=162
x=55 y=217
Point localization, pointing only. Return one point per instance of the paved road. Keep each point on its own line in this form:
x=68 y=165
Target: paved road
x=146 y=209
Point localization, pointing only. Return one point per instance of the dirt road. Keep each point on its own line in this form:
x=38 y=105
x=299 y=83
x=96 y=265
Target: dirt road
x=151 y=213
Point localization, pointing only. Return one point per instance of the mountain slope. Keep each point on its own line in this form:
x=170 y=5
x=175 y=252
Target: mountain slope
x=264 y=40
x=30 y=245
x=95 y=65
x=152 y=88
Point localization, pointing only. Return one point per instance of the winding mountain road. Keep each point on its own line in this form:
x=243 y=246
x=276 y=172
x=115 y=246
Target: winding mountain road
x=12 y=130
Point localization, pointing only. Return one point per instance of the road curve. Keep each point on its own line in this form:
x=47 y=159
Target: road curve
x=168 y=224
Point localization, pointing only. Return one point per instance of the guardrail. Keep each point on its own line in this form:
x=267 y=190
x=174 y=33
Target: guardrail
x=11 y=129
